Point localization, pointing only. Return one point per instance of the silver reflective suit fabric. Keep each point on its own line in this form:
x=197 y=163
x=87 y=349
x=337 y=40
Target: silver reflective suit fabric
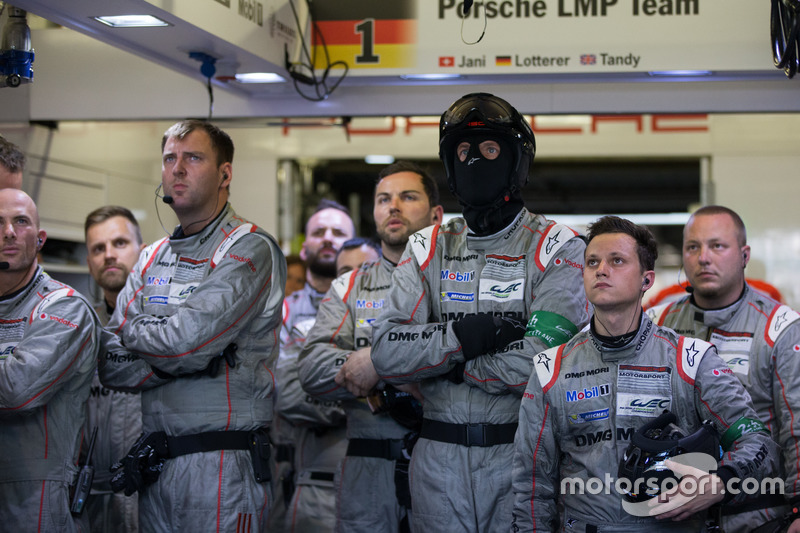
x=50 y=338
x=366 y=499
x=186 y=300
x=759 y=339
x=317 y=427
x=445 y=274
x=583 y=404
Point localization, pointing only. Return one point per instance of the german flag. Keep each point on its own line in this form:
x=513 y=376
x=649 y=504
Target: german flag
x=502 y=61
x=365 y=33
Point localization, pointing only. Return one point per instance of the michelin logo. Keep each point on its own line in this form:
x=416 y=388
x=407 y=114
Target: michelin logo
x=580 y=418
x=449 y=296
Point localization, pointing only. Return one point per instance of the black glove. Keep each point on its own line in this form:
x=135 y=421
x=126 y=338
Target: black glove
x=142 y=465
x=455 y=374
x=483 y=334
x=228 y=356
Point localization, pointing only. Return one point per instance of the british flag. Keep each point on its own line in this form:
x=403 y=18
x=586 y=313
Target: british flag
x=588 y=59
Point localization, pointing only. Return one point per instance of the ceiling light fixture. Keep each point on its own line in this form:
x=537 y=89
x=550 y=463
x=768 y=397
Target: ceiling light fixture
x=379 y=159
x=132 y=21
x=679 y=73
x=259 y=77
x=430 y=77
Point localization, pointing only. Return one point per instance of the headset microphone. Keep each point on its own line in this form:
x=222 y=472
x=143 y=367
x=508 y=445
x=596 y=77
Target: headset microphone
x=689 y=289
x=4 y=265
x=166 y=198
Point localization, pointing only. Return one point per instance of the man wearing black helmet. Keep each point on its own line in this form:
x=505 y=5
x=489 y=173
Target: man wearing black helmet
x=455 y=314
x=590 y=397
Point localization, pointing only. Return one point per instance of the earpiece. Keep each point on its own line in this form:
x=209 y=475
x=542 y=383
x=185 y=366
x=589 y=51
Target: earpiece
x=40 y=243
x=645 y=283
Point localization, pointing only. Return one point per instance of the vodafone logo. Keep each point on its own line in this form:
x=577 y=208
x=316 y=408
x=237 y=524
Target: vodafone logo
x=558 y=261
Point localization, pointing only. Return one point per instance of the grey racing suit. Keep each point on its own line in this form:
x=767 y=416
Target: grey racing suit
x=760 y=340
x=460 y=481
x=186 y=302
x=318 y=427
x=117 y=415
x=585 y=401
x=366 y=493
x=49 y=340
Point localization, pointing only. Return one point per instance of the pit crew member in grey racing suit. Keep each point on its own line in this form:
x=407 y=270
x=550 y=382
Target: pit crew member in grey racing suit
x=317 y=427
x=759 y=339
x=188 y=301
x=344 y=324
x=451 y=315
x=585 y=401
x=50 y=339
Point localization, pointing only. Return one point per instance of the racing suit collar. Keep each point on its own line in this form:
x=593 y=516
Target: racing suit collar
x=718 y=317
x=25 y=289
x=489 y=242
x=629 y=350
x=179 y=236
x=314 y=296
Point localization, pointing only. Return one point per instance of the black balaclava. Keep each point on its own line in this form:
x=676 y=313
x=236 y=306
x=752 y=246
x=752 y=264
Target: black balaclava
x=482 y=185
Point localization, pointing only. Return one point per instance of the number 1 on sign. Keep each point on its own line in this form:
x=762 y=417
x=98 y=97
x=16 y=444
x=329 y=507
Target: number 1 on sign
x=367 y=30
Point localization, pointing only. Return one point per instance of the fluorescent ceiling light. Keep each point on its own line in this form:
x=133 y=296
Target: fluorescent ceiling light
x=259 y=77
x=131 y=21
x=430 y=77
x=678 y=73
x=379 y=159
x=648 y=219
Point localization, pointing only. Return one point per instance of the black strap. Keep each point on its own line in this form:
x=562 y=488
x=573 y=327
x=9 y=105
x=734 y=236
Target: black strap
x=284 y=453
x=320 y=476
x=208 y=442
x=763 y=501
x=468 y=434
x=389 y=449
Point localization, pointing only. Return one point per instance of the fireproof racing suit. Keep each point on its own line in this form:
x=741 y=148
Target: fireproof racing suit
x=760 y=340
x=584 y=402
x=49 y=340
x=187 y=301
x=461 y=471
x=320 y=438
x=366 y=498
x=117 y=415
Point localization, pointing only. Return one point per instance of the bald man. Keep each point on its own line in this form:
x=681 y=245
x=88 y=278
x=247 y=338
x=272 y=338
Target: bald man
x=49 y=337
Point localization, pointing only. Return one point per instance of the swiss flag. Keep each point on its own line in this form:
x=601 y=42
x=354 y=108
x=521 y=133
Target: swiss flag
x=447 y=61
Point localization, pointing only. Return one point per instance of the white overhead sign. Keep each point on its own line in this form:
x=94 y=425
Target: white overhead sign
x=380 y=37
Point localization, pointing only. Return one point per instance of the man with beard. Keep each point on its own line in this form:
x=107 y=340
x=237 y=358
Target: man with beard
x=309 y=434
x=755 y=335
x=49 y=338
x=454 y=317
x=113 y=243
x=335 y=363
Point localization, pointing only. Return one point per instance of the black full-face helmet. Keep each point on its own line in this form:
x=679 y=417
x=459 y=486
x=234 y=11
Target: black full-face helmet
x=484 y=113
x=654 y=443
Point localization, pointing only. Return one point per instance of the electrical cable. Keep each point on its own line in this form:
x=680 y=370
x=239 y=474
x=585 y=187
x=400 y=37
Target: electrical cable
x=467 y=6
x=320 y=84
x=785 y=34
